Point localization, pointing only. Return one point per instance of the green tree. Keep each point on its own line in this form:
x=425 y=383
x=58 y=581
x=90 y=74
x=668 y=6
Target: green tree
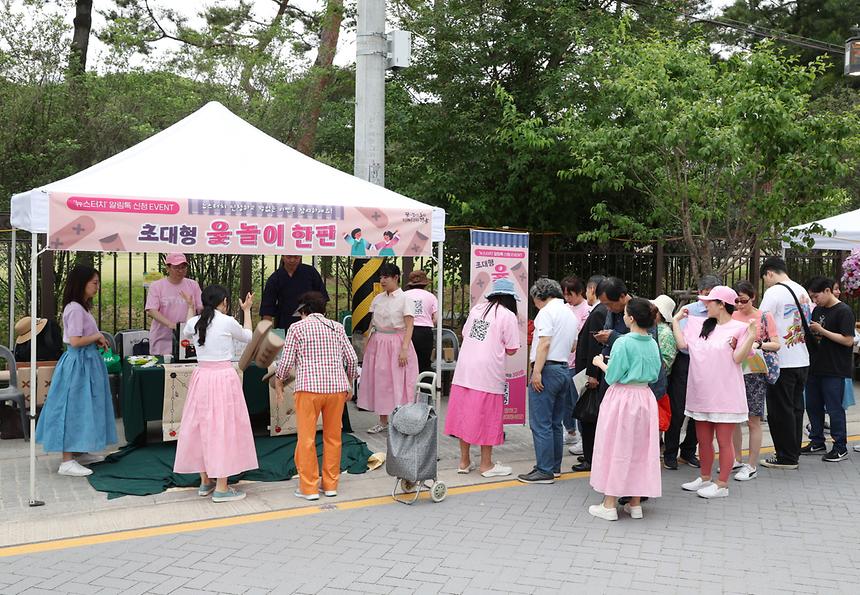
x=726 y=155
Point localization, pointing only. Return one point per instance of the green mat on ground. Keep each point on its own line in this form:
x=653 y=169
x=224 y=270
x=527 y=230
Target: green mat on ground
x=145 y=470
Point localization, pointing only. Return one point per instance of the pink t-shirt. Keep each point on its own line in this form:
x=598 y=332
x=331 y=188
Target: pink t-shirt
x=581 y=311
x=77 y=322
x=481 y=363
x=426 y=306
x=715 y=383
x=165 y=297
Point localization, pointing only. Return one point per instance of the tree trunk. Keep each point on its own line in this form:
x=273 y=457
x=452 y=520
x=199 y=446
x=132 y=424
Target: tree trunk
x=83 y=23
x=266 y=38
x=321 y=75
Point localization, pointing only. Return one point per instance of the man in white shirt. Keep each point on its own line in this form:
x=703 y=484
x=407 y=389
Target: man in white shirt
x=785 y=398
x=554 y=338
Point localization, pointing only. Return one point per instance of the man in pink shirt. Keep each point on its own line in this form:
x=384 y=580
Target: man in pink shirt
x=166 y=305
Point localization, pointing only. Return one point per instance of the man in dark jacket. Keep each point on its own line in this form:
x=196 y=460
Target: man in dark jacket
x=586 y=348
x=284 y=287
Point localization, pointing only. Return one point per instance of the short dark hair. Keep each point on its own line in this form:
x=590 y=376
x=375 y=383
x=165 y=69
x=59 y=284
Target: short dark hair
x=595 y=280
x=708 y=282
x=775 y=264
x=76 y=284
x=642 y=311
x=612 y=287
x=389 y=269
x=572 y=284
x=819 y=284
x=312 y=302
x=355 y=231
x=745 y=287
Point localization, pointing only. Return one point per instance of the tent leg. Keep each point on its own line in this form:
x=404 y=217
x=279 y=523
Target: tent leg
x=34 y=261
x=440 y=273
x=12 y=275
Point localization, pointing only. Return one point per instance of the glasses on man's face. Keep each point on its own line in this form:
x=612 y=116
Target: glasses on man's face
x=742 y=301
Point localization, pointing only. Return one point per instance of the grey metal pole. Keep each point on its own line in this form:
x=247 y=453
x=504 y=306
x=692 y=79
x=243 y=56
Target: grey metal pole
x=13 y=269
x=371 y=52
x=34 y=390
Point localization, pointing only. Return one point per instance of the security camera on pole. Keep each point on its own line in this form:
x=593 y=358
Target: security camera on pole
x=376 y=52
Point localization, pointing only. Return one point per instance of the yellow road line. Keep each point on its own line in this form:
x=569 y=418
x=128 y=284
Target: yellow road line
x=275 y=515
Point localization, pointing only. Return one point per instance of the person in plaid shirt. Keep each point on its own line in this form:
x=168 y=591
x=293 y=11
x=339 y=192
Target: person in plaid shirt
x=318 y=353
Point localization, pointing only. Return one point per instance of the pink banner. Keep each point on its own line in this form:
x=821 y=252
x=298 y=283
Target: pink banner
x=505 y=255
x=136 y=224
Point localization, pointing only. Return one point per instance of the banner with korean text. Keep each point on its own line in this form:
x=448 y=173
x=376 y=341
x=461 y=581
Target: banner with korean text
x=135 y=224
x=505 y=255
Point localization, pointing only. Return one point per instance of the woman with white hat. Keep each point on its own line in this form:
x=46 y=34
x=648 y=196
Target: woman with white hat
x=665 y=337
x=716 y=396
x=166 y=303
x=476 y=403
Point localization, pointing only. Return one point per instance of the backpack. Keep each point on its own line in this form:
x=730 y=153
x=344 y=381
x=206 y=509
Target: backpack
x=49 y=345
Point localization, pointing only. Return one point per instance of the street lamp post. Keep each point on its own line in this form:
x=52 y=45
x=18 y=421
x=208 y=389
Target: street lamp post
x=852 y=53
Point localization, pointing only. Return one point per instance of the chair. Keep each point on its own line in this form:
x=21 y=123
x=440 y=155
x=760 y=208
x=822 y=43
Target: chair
x=114 y=379
x=347 y=325
x=448 y=337
x=12 y=392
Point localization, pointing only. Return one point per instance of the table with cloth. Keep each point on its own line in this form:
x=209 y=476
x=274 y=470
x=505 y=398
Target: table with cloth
x=143 y=397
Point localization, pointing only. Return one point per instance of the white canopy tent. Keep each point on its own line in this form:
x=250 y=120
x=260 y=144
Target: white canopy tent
x=211 y=155
x=843 y=232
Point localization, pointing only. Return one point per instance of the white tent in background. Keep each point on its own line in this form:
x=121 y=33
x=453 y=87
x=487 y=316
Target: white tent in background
x=843 y=230
x=212 y=167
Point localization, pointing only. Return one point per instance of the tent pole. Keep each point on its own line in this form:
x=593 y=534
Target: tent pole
x=440 y=269
x=12 y=275
x=34 y=390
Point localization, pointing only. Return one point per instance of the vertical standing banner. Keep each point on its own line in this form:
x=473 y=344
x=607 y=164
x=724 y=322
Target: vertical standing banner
x=505 y=255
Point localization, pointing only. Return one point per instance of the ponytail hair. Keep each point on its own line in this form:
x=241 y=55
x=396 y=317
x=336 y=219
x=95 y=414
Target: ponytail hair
x=212 y=297
x=711 y=323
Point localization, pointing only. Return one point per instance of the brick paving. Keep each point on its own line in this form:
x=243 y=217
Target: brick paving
x=785 y=532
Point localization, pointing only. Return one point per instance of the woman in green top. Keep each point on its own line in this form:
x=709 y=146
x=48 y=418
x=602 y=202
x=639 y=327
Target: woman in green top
x=626 y=457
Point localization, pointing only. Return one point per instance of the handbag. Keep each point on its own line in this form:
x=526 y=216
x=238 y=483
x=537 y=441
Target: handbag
x=588 y=406
x=664 y=412
x=810 y=339
x=771 y=358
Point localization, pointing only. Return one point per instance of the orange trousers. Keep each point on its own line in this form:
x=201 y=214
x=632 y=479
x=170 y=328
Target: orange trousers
x=308 y=409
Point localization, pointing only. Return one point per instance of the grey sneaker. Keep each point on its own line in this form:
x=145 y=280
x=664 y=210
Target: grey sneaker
x=230 y=495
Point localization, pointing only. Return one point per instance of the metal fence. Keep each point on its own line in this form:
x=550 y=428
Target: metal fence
x=122 y=298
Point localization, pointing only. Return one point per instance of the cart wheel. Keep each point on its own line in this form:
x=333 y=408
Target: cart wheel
x=438 y=492
x=407 y=486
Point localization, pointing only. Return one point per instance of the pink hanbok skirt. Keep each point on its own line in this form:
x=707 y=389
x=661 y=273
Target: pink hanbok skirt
x=215 y=433
x=384 y=383
x=475 y=416
x=626 y=458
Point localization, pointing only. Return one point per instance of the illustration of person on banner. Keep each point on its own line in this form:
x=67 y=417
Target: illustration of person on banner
x=166 y=303
x=215 y=439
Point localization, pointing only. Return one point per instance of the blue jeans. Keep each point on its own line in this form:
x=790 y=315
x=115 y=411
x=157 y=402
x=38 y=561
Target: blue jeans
x=825 y=393
x=546 y=409
x=570 y=422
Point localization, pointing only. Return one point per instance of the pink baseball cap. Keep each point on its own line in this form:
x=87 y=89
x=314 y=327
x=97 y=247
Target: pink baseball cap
x=175 y=258
x=727 y=295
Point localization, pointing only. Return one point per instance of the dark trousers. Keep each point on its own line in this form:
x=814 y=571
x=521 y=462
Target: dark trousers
x=422 y=341
x=825 y=393
x=677 y=403
x=785 y=413
x=588 y=430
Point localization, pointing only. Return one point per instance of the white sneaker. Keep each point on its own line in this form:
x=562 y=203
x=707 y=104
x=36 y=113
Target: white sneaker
x=328 y=493
x=635 y=512
x=601 y=512
x=498 y=470
x=696 y=485
x=88 y=459
x=857 y=448
x=735 y=466
x=576 y=447
x=377 y=429
x=569 y=438
x=298 y=494
x=746 y=473
x=73 y=469
x=713 y=491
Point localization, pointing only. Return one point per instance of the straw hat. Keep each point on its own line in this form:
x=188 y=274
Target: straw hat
x=22 y=329
x=418 y=279
x=665 y=305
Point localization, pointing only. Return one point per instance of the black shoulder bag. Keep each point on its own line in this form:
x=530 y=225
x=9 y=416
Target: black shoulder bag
x=810 y=339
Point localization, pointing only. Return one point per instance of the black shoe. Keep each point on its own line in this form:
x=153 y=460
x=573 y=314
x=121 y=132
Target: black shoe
x=692 y=461
x=535 y=476
x=581 y=458
x=834 y=456
x=813 y=449
x=583 y=466
x=670 y=464
x=774 y=462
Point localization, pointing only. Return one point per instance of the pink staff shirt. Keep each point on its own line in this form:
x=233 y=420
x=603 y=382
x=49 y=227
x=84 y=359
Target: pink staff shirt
x=481 y=363
x=426 y=306
x=716 y=382
x=165 y=297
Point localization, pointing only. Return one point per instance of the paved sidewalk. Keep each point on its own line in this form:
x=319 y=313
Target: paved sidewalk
x=73 y=508
x=785 y=532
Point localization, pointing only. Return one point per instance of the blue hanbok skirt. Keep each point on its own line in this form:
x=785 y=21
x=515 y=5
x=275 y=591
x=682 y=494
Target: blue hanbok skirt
x=78 y=411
